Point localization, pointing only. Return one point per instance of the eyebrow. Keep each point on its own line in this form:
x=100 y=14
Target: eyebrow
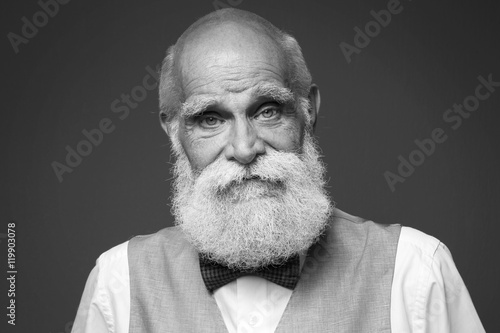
x=280 y=94
x=263 y=90
x=196 y=105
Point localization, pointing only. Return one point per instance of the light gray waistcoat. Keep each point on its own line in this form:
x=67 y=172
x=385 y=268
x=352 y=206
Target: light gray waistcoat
x=345 y=284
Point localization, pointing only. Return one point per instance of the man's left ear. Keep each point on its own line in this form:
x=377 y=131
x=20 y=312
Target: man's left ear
x=315 y=100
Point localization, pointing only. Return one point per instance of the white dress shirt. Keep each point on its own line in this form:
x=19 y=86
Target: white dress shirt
x=427 y=295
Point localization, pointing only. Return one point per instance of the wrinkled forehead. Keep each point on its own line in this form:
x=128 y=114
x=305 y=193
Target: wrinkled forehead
x=229 y=49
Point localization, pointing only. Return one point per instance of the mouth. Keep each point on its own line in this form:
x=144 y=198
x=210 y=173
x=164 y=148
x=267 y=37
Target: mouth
x=252 y=187
x=256 y=179
x=253 y=177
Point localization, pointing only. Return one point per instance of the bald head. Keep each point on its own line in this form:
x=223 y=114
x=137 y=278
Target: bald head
x=229 y=17
x=228 y=37
x=229 y=52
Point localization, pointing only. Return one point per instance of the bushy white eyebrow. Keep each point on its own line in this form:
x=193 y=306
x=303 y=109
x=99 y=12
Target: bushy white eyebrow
x=281 y=95
x=197 y=105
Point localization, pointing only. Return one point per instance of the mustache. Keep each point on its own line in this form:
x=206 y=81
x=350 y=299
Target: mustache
x=271 y=169
x=253 y=178
x=247 y=189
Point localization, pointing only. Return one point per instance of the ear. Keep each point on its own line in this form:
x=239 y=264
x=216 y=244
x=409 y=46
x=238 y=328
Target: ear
x=315 y=100
x=164 y=124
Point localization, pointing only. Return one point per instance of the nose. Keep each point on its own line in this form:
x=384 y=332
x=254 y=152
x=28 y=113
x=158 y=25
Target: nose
x=244 y=143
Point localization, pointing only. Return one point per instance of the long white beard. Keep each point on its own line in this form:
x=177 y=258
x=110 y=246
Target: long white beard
x=246 y=217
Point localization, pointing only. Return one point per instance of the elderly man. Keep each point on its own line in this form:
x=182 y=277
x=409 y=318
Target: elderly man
x=258 y=246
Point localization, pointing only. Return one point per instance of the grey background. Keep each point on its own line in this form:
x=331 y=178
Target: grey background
x=393 y=92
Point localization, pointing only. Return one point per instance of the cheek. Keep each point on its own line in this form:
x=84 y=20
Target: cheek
x=200 y=152
x=287 y=138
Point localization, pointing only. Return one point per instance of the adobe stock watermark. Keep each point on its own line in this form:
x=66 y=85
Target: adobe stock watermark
x=29 y=29
x=453 y=117
x=362 y=38
x=93 y=137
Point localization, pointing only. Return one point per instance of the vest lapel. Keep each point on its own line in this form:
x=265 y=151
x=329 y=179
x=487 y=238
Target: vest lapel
x=167 y=293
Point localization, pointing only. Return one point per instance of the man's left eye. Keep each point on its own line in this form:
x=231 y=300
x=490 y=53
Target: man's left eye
x=268 y=113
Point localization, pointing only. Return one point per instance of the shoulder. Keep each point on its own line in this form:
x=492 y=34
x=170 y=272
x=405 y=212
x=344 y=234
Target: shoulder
x=347 y=228
x=104 y=306
x=428 y=293
x=420 y=257
x=424 y=258
x=167 y=242
x=419 y=243
x=113 y=256
x=112 y=266
x=112 y=270
x=346 y=220
x=116 y=259
x=167 y=236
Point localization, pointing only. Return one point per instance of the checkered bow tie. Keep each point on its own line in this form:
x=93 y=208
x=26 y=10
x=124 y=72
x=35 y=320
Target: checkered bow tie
x=216 y=275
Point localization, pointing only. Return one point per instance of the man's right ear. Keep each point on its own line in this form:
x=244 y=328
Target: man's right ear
x=164 y=123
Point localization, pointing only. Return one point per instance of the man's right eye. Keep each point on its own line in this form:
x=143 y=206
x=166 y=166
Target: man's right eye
x=209 y=121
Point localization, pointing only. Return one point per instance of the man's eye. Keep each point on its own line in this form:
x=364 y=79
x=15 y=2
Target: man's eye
x=268 y=113
x=210 y=121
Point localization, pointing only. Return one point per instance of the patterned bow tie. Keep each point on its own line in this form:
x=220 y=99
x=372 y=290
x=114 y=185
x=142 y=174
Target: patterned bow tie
x=216 y=275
